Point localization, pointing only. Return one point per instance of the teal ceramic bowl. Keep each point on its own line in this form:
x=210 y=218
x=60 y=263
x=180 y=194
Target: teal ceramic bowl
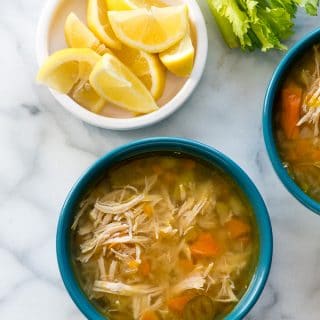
x=189 y=147
x=277 y=78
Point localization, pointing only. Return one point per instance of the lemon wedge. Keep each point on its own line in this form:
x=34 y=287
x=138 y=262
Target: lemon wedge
x=61 y=70
x=67 y=71
x=78 y=35
x=116 y=83
x=151 y=30
x=133 y=4
x=98 y=23
x=147 y=67
x=179 y=58
x=87 y=97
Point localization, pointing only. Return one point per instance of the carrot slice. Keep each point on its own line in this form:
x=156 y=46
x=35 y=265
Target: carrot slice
x=177 y=304
x=291 y=97
x=205 y=246
x=145 y=268
x=237 y=228
x=149 y=315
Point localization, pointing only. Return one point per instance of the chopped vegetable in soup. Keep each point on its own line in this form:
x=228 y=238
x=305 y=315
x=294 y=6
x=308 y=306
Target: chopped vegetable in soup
x=164 y=237
x=297 y=122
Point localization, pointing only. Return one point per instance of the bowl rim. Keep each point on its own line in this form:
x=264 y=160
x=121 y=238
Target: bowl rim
x=267 y=120
x=170 y=144
x=42 y=51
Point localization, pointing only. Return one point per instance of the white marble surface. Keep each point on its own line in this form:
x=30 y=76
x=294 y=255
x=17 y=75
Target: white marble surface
x=44 y=149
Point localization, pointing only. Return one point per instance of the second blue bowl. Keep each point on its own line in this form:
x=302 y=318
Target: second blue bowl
x=269 y=103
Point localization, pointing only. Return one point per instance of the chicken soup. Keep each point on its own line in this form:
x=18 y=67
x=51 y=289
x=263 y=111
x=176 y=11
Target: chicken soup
x=296 y=122
x=164 y=237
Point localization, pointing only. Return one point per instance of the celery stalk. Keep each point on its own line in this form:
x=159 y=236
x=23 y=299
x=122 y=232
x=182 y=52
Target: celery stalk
x=225 y=28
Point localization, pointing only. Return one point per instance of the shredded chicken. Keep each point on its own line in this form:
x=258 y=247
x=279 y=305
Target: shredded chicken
x=208 y=269
x=113 y=269
x=102 y=269
x=226 y=293
x=194 y=281
x=134 y=239
x=127 y=239
x=83 y=207
x=187 y=217
x=123 y=289
x=119 y=255
x=138 y=253
x=116 y=208
x=311 y=102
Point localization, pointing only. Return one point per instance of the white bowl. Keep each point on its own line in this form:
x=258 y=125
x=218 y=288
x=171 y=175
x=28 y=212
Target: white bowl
x=44 y=48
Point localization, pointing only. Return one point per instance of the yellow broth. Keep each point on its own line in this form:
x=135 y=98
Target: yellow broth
x=185 y=246
x=298 y=143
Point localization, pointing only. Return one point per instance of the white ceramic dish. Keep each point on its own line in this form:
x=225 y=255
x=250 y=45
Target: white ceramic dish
x=44 y=47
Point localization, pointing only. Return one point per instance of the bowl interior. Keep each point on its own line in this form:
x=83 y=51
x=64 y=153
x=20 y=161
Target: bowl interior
x=177 y=146
x=277 y=79
x=50 y=38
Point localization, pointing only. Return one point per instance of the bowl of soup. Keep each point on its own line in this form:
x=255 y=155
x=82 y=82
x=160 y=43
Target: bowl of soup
x=150 y=84
x=164 y=228
x=291 y=121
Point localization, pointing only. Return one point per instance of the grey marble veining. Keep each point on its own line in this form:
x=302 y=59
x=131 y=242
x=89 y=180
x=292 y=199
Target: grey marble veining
x=44 y=149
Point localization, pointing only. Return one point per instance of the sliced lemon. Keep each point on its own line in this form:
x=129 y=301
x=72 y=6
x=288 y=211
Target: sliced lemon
x=61 y=70
x=147 y=67
x=179 y=58
x=67 y=71
x=78 y=35
x=99 y=24
x=118 y=84
x=152 y=30
x=133 y=4
x=87 y=97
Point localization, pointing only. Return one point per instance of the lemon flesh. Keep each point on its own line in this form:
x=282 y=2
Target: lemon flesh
x=116 y=83
x=99 y=24
x=133 y=4
x=78 y=35
x=151 y=30
x=179 y=59
x=61 y=70
x=87 y=97
x=147 y=67
x=67 y=71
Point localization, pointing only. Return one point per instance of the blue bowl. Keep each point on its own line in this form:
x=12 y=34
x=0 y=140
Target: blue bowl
x=277 y=78
x=190 y=147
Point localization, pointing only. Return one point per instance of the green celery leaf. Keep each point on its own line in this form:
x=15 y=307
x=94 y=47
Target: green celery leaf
x=262 y=24
x=236 y=17
x=311 y=6
x=266 y=36
x=256 y=43
x=279 y=20
x=289 y=6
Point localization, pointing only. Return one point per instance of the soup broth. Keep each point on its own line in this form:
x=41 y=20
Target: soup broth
x=296 y=122
x=164 y=237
